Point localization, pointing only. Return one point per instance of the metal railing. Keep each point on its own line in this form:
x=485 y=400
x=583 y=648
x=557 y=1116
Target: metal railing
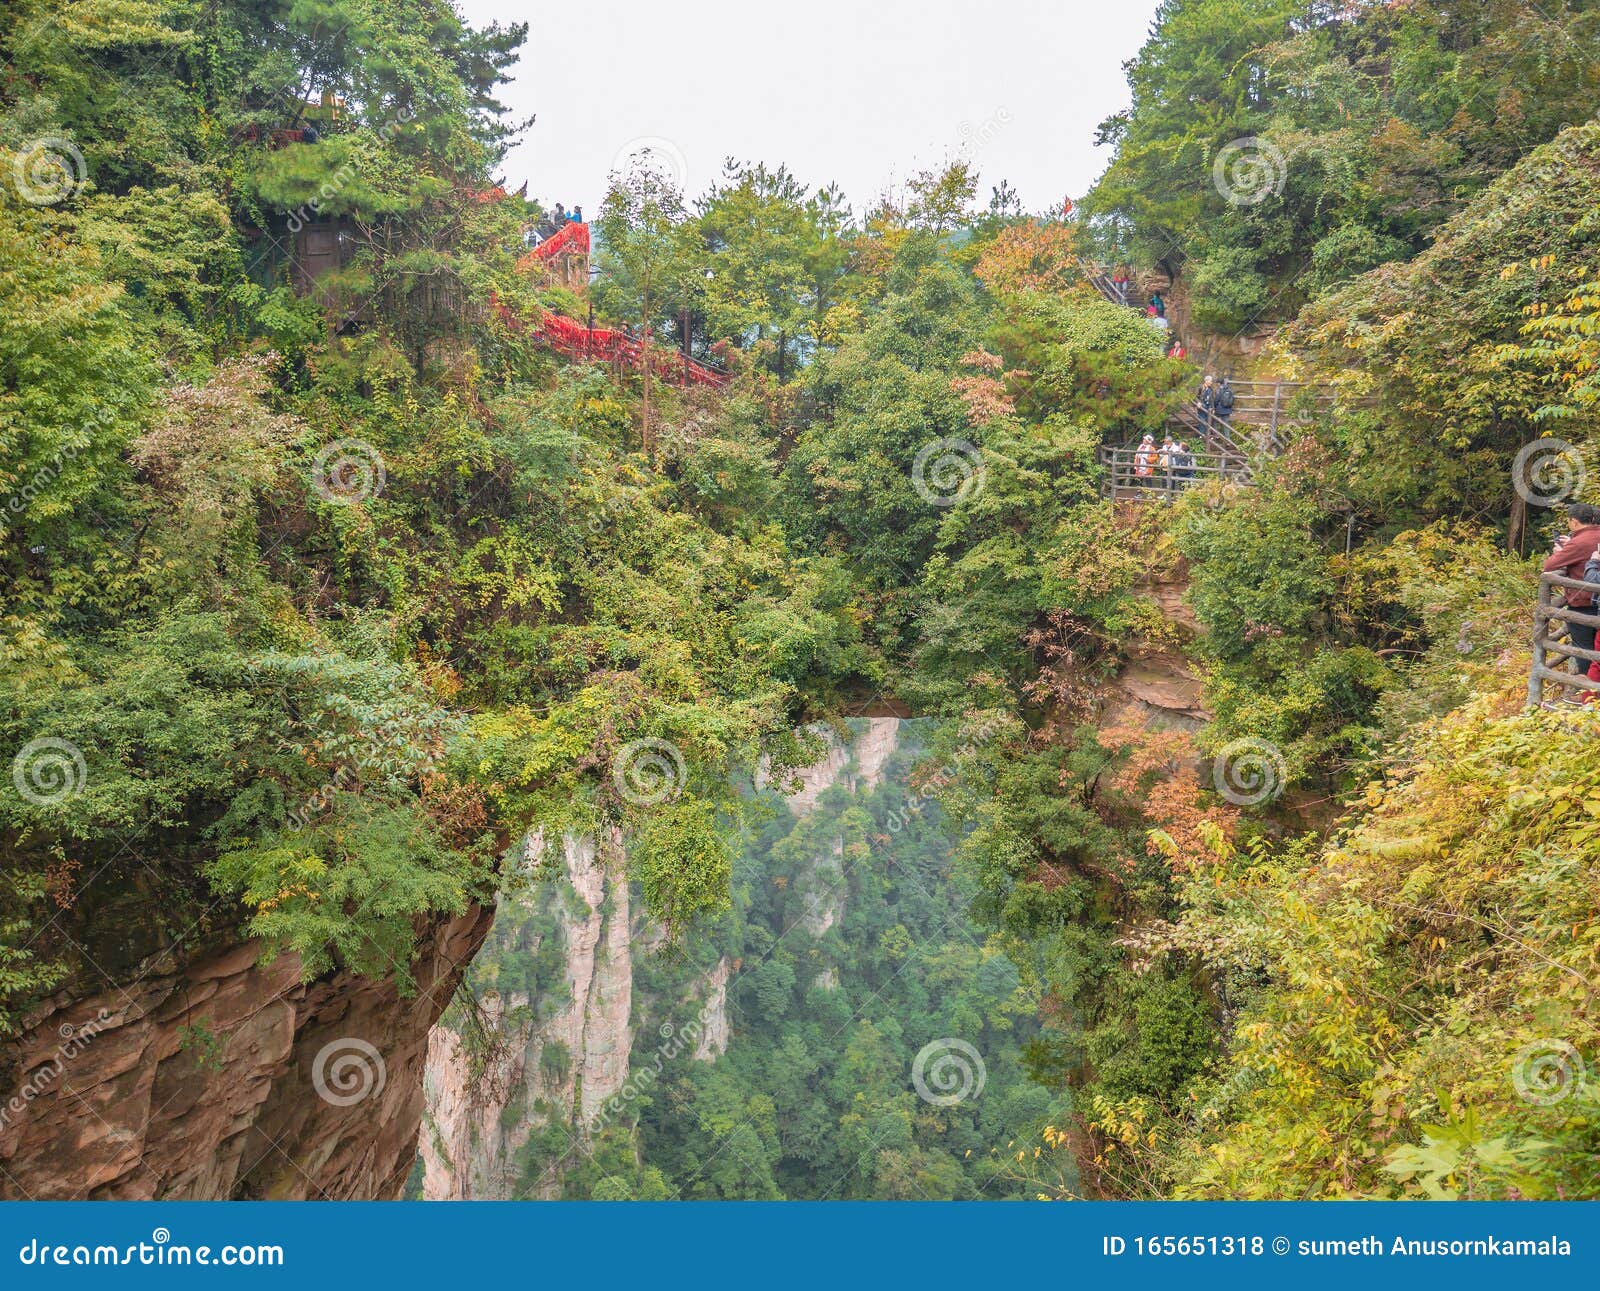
x=1132 y=475
x=1552 y=643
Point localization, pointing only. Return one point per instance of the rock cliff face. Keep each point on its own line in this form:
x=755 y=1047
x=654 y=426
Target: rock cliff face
x=1155 y=674
x=505 y=1121
x=556 y=1054
x=223 y=1078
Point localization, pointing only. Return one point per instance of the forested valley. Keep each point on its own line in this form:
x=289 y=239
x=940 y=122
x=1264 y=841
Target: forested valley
x=887 y=779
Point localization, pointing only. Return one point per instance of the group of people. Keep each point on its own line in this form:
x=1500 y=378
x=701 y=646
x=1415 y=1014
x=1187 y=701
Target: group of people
x=1156 y=312
x=1155 y=309
x=1169 y=465
x=562 y=216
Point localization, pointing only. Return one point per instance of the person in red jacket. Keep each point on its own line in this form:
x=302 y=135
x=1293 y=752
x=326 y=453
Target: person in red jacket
x=1568 y=560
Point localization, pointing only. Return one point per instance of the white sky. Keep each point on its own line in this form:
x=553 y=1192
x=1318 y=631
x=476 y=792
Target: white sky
x=862 y=92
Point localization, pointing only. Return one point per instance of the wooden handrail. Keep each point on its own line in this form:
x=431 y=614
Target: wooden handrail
x=1569 y=685
x=1130 y=475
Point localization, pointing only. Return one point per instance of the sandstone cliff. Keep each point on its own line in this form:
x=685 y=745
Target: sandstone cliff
x=217 y=1077
x=507 y=1113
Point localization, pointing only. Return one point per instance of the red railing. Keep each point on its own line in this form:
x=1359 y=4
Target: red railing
x=572 y=238
x=573 y=340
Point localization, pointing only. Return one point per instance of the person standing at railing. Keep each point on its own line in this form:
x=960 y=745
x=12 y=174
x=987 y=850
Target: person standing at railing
x=1119 y=284
x=1144 y=461
x=1182 y=464
x=1205 y=404
x=1166 y=462
x=1570 y=559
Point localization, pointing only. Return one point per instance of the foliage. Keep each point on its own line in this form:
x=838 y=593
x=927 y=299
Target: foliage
x=1275 y=147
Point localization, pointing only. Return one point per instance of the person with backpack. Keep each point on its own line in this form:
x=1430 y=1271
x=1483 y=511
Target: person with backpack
x=1225 y=401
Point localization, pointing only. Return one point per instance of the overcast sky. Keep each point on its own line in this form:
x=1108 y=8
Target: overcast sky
x=864 y=93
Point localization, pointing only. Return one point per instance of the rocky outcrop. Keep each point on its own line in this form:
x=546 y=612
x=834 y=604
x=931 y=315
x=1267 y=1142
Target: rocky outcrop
x=546 y=1065
x=873 y=740
x=223 y=1077
x=559 y=1059
x=821 y=885
x=713 y=1040
x=1156 y=675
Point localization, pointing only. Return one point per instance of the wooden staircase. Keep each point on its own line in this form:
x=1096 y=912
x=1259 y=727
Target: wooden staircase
x=1258 y=426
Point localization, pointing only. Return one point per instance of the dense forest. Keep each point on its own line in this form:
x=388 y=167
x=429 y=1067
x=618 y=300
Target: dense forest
x=320 y=595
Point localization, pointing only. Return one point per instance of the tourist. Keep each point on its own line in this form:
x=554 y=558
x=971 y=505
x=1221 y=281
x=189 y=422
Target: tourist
x=1183 y=464
x=1119 y=283
x=1165 y=461
x=1225 y=401
x=577 y=215
x=1570 y=560
x=1205 y=405
x=1158 y=304
x=1144 y=460
x=1177 y=351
